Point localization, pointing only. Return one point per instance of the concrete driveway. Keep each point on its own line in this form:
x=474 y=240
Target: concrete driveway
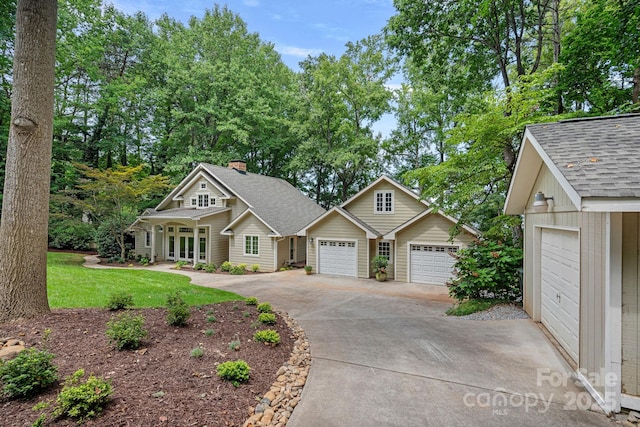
x=384 y=354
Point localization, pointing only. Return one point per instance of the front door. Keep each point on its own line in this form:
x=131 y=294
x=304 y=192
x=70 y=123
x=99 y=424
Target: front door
x=186 y=248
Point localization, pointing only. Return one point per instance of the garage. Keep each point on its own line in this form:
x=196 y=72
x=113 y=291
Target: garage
x=560 y=286
x=431 y=264
x=339 y=258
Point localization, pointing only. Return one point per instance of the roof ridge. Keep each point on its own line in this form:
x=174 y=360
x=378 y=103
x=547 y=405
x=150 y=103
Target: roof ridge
x=594 y=118
x=248 y=173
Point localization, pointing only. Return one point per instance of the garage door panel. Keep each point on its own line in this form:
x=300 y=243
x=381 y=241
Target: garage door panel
x=560 y=287
x=339 y=258
x=431 y=264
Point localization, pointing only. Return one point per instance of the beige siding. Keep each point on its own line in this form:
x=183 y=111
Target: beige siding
x=237 y=207
x=250 y=225
x=405 y=208
x=431 y=229
x=547 y=183
x=630 y=304
x=194 y=190
x=335 y=226
x=283 y=252
x=218 y=245
x=140 y=248
x=301 y=249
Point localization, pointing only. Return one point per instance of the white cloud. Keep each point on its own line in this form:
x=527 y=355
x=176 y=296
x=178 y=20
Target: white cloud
x=299 y=52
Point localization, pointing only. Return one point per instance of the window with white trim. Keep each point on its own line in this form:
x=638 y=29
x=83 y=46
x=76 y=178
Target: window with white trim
x=194 y=201
x=251 y=244
x=383 y=202
x=384 y=249
x=203 y=185
x=203 y=200
x=147 y=239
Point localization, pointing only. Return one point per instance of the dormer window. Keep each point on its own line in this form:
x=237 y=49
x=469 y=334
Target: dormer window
x=383 y=202
x=203 y=200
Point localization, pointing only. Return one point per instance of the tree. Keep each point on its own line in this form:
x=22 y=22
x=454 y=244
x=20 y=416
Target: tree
x=23 y=229
x=115 y=196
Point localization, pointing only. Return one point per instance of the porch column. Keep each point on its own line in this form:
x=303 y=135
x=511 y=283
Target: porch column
x=153 y=244
x=196 y=245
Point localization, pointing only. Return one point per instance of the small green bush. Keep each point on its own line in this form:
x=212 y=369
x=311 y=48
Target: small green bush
x=197 y=352
x=237 y=270
x=210 y=268
x=265 y=307
x=126 y=331
x=251 y=301
x=237 y=372
x=209 y=332
x=267 y=318
x=234 y=345
x=82 y=400
x=120 y=301
x=255 y=267
x=181 y=264
x=211 y=319
x=226 y=266
x=268 y=336
x=144 y=261
x=28 y=373
x=199 y=266
x=177 y=310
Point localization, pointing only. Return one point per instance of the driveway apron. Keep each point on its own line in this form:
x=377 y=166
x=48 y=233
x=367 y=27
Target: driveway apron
x=385 y=354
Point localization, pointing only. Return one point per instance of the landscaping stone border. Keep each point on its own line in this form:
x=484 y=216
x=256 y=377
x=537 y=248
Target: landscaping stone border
x=277 y=405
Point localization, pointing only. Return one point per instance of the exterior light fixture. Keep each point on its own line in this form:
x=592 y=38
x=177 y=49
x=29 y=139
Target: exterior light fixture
x=311 y=240
x=540 y=203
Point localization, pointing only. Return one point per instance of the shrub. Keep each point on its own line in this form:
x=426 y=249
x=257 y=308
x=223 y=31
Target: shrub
x=237 y=372
x=380 y=263
x=28 y=373
x=237 y=270
x=82 y=400
x=211 y=319
x=119 y=301
x=210 y=268
x=308 y=268
x=226 y=266
x=264 y=307
x=199 y=266
x=243 y=266
x=181 y=264
x=177 y=310
x=487 y=269
x=144 y=261
x=71 y=234
x=209 y=332
x=255 y=268
x=268 y=336
x=234 y=345
x=105 y=236
x=251 y=301
x=126 y=331
x=197 y=352
x=267 y=318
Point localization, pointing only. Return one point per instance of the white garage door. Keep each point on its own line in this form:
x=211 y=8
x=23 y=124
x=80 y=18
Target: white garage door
x=338 y=257
x=560 y=277
x=431 y=264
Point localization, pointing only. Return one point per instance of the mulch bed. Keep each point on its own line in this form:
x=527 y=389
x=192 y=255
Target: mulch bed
x=193 y=395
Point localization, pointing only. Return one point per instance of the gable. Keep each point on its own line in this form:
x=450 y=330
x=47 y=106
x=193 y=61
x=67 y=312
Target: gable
x=405 y=206
x=549 y=185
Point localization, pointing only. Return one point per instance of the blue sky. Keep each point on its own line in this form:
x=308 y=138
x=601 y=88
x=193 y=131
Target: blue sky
x=297 y=28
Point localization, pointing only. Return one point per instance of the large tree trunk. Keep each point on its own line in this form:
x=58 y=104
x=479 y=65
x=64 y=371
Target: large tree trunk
x=25 y=209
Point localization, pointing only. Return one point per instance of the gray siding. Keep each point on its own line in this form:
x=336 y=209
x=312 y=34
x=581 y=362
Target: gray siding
x=194 y=190
x=218 y=245
x=250 y=225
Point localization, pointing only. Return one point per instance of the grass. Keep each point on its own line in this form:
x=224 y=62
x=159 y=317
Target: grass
x=70 y=285
x=473 y=305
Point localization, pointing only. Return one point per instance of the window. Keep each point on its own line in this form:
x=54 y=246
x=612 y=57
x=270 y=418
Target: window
x=203 y=200
x=194 y=201
x=203 y=249
x=383 y=202
x=185 y=230
x=251 y=245
x=147 y=239
x=169 y=229
x=203 y=185
x=384 y=249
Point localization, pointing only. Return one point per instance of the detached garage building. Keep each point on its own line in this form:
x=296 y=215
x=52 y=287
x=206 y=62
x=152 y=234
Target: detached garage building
x=577 y=182
x=388 y=219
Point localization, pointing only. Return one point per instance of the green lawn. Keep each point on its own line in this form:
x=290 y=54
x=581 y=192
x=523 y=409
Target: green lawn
x=69 y=284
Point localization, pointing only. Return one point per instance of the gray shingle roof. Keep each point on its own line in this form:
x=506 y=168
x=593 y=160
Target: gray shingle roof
x=599 y=157
x=191 y=213
x=277 y=202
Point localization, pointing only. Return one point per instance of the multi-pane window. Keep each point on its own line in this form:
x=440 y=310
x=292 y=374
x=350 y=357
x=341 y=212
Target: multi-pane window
x=203 y=200
x=203 y=185
x=147 y=239
x=194 y=201
x=251 y=245
x=203 y=249
x=383 y=202
x=384 y=249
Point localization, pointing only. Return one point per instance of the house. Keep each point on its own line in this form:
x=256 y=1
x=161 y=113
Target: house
x=219 y=214
x=578 y=186
x=385 y=218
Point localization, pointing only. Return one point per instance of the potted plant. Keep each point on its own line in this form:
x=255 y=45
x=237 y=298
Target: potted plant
x=307 y=269
x=380 y=263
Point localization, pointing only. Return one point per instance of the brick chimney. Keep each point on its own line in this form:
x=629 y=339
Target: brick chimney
x=238 y=165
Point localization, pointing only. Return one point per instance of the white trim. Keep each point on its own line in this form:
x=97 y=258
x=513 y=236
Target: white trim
x=384 y=210
x=390 y=243
x=244 y=245
x=613 y=312
x=427 y=243
x=592 y=391
x=317 y=241
x=630 y=402
x=275 y=254
x=147 y=238
x=176 y=195
x=390 y=181
x=225 y=231
x=391 y=235
x=339 y=210
x=610 y=205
